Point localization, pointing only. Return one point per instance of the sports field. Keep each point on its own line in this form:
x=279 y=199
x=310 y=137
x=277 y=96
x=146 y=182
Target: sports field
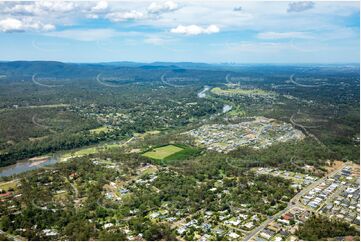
x=162 y=152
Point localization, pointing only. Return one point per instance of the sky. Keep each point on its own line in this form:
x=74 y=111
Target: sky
x=193 y=31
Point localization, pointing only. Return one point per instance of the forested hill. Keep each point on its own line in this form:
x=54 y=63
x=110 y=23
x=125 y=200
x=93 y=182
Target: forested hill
x=69 y=70
x=54 y=68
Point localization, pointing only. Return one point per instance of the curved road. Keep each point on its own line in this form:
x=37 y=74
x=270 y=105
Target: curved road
x=306 y=131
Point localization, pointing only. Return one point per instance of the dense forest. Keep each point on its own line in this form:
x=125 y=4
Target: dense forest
x=323 y=228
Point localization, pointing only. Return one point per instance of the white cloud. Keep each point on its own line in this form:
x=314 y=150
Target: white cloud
x=124 y=16
x=100 y=6
x=48 y=27
x=283 y=35
x=98 y=10
x=16 y=25
x=195 y=29
x=11 y=25
x=84 y=34
x=259 y=17
x=39 y=7
x=300 y=6
x=163 y=7
x=56 y=6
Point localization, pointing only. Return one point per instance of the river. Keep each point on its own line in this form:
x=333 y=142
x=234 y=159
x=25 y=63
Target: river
x=202 y=94
x=24 y=166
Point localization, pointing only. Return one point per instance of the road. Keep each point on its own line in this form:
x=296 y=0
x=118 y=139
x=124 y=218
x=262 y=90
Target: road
x=76 y=191
x=125 y=143
x=202 y=94
x=293 y=203
x=306 y=131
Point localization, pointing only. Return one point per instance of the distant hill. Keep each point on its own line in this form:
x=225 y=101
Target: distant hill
x=26 y=69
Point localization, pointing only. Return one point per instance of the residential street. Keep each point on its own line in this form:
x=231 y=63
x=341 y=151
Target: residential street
x=293 y=203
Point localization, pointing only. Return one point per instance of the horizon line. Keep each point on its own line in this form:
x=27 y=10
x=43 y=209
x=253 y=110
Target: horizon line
x=193 y=62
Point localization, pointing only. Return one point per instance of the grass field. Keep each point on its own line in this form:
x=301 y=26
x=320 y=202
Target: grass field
x=237 y=111
x=88 y=151
x=79 y=153
x=100 y=129
x=5 y=186
x=162 y=152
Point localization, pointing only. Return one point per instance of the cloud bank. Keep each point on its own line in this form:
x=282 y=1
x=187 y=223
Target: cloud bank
x=16 y=25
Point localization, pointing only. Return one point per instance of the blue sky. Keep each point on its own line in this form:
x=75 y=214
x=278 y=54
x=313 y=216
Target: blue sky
x=213 y=32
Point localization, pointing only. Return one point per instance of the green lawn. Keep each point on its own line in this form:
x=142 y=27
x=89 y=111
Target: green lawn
x=162 y=152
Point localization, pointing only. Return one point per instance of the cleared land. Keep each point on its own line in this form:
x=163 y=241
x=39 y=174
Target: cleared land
x=237 y=91
x=142 y=136
x=259 y=133
x=104 y=129
x=162 y=152
x=79 y=153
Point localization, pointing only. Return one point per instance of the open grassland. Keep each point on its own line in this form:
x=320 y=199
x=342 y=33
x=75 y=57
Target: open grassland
x=237 y=111
x=5 y=186
x=162 y=152
x=148 y=133
x=237 y=91
x=104 y=129
x=88 y=151
x=79 y=153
